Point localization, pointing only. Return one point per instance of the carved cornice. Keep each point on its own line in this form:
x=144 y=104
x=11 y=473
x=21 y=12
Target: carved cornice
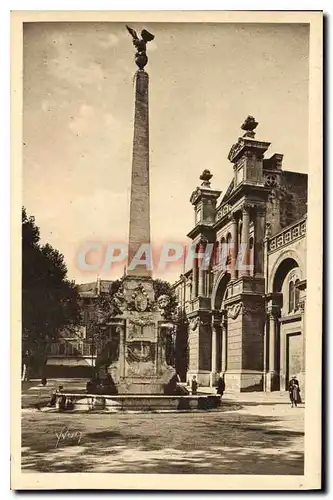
x=203 y=192
x=244 y=144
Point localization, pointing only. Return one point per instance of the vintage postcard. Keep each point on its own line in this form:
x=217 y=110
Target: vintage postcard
x=167 y=250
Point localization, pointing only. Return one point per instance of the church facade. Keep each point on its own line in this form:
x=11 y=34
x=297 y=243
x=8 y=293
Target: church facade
x=245 y=308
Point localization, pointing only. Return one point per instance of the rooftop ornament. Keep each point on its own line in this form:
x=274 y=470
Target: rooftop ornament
x=249 y=125
x=206 y=177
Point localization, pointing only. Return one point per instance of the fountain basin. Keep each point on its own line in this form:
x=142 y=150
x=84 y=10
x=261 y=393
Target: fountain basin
x=67 y=402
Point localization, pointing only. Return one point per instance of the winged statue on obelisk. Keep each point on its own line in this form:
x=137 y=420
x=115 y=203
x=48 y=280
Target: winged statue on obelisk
x=141 y=58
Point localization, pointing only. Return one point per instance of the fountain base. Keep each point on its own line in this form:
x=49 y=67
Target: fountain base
x=70 y=402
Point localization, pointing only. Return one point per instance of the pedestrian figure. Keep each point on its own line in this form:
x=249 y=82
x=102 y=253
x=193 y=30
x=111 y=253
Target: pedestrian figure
x=294 y=392
x=53 y=399
x=194 y=385
x=220 y=385
x=63 y=398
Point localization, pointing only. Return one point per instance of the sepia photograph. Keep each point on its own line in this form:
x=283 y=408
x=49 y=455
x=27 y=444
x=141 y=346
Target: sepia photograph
x=166 y=298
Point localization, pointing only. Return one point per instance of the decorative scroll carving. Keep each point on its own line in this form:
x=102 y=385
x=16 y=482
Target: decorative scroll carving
x=270 y=180
x=235 y=148
x=139 y=301
x=194 y=323
x=148 y=320
x=268 y=230
x=140 y=351
x=233 y=311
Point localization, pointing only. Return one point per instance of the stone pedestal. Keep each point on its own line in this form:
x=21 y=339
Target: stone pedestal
x=243 y=380
x=200 y=349
x=145 y=343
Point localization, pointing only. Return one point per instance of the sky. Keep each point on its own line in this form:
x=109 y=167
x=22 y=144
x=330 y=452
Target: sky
x=205 y=79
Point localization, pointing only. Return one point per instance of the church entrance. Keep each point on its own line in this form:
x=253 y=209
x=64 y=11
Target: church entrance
x=294 y=356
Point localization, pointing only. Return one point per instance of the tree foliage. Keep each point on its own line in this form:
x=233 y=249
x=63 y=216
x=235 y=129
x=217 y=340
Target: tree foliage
x=49 y=299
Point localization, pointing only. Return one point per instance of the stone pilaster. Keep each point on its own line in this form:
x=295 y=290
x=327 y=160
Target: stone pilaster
x=224 y=343
x=303 y=311
x=272 y=377
x=214 y=346
x=202 y=271
x=260 y=226
x=234 y=249
x=272 y=342
x=194 y=290
x=245 y=241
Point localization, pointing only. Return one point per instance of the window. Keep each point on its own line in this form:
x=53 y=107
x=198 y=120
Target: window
x=217 y=253
x=240 y=229
x=296 y=295
x=291 y=296
x=228 y=250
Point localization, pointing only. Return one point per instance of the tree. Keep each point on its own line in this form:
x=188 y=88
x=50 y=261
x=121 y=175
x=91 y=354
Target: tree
x=49 y=300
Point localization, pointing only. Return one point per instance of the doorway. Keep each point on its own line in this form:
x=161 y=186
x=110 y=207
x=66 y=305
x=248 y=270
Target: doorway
x=294 y=355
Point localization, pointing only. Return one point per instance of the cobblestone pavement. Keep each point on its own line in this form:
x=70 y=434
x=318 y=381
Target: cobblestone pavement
x=248 y=435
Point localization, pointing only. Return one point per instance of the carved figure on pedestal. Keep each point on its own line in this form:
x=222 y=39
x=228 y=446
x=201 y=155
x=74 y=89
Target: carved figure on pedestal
x=120 y=300
x=141 y=58
x=163 y=303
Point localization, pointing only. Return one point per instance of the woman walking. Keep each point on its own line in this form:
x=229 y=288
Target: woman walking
x=294 y=392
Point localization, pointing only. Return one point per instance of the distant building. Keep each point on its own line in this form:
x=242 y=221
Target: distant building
x=73 y=355
x=246 y=310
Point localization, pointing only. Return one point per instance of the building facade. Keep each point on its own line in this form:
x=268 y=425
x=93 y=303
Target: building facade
x=245 y=296
x=73 y=355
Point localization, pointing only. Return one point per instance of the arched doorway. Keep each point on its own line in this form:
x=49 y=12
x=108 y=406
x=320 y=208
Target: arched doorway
x=286 y=350
x=219 y=295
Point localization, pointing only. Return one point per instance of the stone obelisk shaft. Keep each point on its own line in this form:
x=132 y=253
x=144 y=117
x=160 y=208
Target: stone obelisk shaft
x=139 y=227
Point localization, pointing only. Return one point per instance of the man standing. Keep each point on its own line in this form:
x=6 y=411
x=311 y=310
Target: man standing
x=194 y=386
x=220 y=388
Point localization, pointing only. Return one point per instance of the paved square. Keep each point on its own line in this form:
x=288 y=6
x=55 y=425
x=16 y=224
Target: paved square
x=244 y=437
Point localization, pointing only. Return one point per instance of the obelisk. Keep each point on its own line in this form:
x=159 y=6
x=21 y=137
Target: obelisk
x=142 y=366
x=139 y=226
